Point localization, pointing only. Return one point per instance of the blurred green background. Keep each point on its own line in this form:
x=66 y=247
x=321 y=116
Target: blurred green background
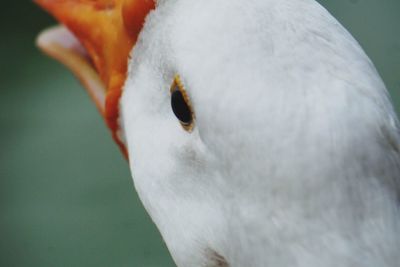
x=66 y=195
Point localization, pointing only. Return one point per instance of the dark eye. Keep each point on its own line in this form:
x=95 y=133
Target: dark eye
x=181 y=105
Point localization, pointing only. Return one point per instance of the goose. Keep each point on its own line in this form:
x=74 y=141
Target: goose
x=258 y=133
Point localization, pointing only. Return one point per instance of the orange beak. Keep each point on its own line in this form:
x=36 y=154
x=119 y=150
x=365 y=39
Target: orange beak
x=103 y=35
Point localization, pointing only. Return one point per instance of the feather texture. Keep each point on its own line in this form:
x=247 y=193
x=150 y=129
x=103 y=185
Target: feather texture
x=294 y=157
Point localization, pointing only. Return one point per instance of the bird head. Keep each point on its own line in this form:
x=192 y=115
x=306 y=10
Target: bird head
x=180 y=87
x=219 y=108
x=175 y=84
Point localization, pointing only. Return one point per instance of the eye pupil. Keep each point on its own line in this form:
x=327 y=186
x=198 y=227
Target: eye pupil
x=180 y=108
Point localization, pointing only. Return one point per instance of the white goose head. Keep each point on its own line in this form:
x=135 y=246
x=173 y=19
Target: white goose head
x=280 y=148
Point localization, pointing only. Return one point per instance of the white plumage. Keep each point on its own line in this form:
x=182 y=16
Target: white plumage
x=295 y=155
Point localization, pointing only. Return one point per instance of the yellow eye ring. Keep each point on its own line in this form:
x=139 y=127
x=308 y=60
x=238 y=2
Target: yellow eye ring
x=181 y=105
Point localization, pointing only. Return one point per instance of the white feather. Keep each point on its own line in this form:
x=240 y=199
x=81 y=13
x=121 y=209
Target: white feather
x=295 y=156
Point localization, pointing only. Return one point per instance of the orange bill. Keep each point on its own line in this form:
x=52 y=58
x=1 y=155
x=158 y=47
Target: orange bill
x=95 y=43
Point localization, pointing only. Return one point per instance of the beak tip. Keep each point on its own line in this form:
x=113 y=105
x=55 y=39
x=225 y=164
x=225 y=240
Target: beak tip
x=47 y=38
x=42 y=39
